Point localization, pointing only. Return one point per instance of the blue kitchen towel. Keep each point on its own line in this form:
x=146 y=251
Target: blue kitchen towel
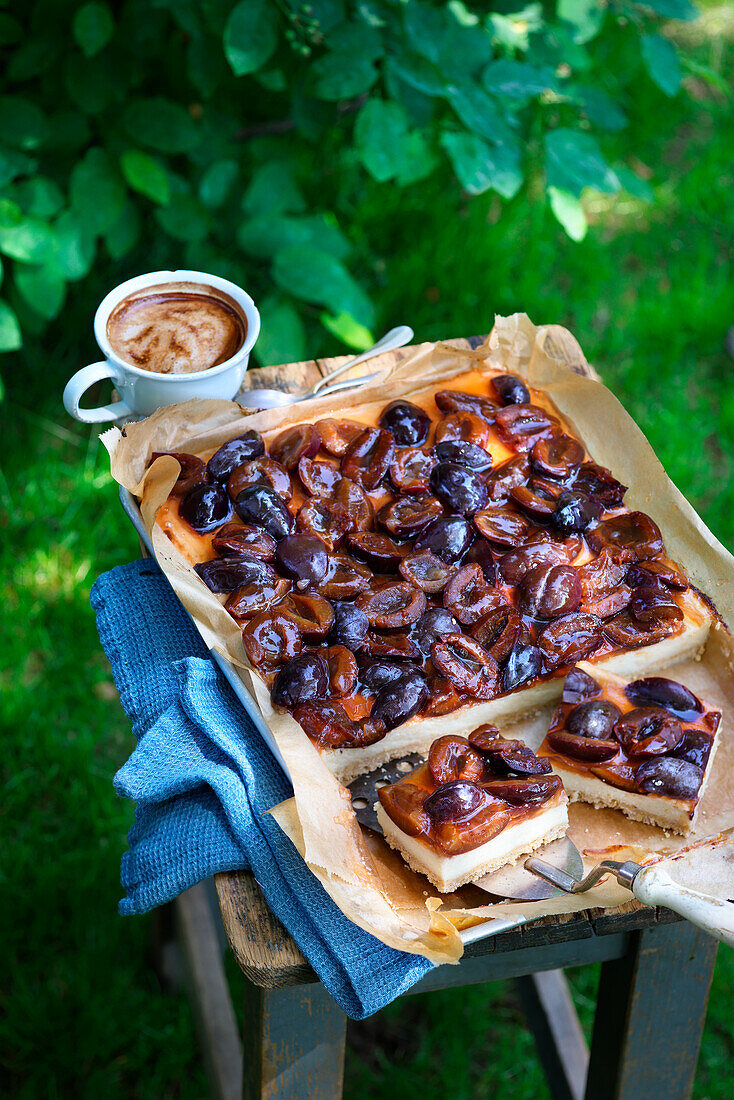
x=203 y=779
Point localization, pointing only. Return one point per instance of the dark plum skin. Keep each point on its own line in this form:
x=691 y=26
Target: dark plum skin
x=400 y=700
x=233 y=453
x=668 y=775
x=432 y=626
x=464 y=454
x=408 y=424
x=448 y=537
x=524 y=663
x=579 y=686
x=695 y=747
x=458 y=487
x=458 y=800
x=231 y=572
x=480 y=553
x=657 y=691
x=510 y=389
x=262 y=507
x=593 y=719
x=375 y=673
x=350 y=625
x=574 y=512
x=303 y=557
x=205 y=507
x=302 y=678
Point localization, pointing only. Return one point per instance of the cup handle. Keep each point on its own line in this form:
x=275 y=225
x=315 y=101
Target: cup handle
x=80 y=382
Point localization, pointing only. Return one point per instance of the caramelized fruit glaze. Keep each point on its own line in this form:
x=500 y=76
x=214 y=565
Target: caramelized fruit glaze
x=651 y=736
x=408 y=563
x=470 y=790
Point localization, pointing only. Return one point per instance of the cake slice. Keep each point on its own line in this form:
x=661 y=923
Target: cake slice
x=644 y=746
x=477 y=804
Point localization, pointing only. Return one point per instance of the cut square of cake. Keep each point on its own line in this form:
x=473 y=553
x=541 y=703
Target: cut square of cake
x=477 y=804
x=644 y=746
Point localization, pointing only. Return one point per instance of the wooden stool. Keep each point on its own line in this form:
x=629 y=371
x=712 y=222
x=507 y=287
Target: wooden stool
x=655 y=976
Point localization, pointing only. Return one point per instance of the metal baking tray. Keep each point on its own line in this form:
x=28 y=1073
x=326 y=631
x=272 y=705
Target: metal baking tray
x=132 y=511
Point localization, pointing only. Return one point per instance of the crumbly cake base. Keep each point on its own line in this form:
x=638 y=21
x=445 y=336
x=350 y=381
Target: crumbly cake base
x=418 y=734
x=410 y=850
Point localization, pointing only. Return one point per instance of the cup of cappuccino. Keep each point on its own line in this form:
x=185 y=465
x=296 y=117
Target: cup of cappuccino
x=167 y=337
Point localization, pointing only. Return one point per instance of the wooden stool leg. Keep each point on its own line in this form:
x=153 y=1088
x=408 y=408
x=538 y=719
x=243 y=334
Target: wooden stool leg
x=293 y=1044
x=650 y=1013
x=559 y=1040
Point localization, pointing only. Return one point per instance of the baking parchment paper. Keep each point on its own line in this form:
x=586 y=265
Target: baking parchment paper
x=368 y=881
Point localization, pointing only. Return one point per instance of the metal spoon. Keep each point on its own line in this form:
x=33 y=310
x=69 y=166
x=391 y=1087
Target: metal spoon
x=274 y=399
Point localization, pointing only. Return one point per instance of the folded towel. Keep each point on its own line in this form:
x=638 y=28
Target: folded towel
x=203 y=780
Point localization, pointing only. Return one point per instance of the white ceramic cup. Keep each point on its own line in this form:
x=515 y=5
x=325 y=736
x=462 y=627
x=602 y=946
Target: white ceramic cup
x=144 y=391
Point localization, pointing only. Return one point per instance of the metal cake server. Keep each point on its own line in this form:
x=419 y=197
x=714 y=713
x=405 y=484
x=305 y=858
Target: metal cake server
x=697 y=883
x=274 y=399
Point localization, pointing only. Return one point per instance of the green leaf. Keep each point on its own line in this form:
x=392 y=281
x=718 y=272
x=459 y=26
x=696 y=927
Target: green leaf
x=417 y=72
x=205 y=63
x=600 y=108
x=512 y=32
x=22 y=124
x=356 y=38
x=217 y=182
x=380 y=134
x=42 y=288
x=318 y=277
x=573 y=161
x=30 y=242
x=425 y=26
x=328 y=13
x=14 y=164
x=74 y=247
x=419 y=159
x=569 y=212
x=586 y=16
x=10 y=214
x=709 y=74
x=481 y=168
x=349 y=331
x=146 y=175
x=35 y=56
x=93 y=27
x=10 y=30
x=124 y=234
x=39 y=196
x=282 y=337
x=634 y=185
x=273 y=190
x=96 y=191
x=671 y=9
x=343 y=75
x=661 y=61
x=90 y=83
x=183 y=218
x=251 y=35
x=10 y=337
x=162 y=125
x=480 y=113
x=264 y=236
x=517 y=79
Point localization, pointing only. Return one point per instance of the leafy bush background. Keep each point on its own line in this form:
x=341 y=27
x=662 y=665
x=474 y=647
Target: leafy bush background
x=239 y=138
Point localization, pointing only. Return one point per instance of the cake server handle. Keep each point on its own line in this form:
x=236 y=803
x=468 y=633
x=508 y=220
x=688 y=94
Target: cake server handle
x=652 y=886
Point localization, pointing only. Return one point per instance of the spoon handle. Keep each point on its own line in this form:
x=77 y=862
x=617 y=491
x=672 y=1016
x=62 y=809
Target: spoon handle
x=395 y=338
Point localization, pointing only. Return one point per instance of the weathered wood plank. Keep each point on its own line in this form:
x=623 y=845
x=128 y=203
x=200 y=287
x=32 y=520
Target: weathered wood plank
x=262 y=946
x=651 y=1008
x=514 y=964
x=294 y=1043
x=551 y=1016
x=210 y=999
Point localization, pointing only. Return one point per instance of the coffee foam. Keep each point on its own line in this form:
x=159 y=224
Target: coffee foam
x=176 y=329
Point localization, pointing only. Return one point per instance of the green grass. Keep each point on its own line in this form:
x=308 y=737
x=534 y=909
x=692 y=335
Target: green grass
x=648 y=295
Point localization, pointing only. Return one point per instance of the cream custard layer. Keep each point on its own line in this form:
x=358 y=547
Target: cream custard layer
x=448 y=873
